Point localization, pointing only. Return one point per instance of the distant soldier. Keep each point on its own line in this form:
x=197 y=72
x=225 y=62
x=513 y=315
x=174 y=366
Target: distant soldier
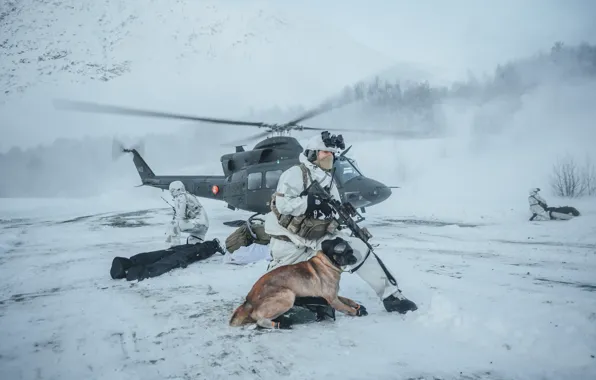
x=189 y=217
x=538 y=206
x=541 y=211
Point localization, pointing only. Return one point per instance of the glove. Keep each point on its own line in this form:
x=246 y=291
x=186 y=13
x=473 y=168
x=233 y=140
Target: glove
x=314 y=204
x=361 y=311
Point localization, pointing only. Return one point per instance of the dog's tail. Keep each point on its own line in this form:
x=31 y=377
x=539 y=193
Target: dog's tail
x=241 y=315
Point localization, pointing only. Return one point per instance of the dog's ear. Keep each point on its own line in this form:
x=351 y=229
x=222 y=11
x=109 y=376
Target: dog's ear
x=327 y=247
x=337 y=246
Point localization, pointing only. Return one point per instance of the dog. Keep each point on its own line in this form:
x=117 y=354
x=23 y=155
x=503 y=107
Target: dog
x=275 y=292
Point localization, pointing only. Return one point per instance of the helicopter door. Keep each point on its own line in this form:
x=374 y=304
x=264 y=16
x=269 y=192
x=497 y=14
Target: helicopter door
x=261 y=185
x=235 y=190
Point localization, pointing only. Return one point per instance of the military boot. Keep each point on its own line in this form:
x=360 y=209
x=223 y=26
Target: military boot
x=324 y=312
x=317 y=305
x=397 y=302
x=219 y=248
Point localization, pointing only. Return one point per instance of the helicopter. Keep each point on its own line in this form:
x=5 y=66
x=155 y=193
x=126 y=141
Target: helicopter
x=251 y=176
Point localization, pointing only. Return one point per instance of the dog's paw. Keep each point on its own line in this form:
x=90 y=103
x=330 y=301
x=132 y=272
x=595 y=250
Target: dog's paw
x=361 y=311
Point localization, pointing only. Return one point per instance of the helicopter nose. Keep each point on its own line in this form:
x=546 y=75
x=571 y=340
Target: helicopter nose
x=378 y=193
x=362 y=192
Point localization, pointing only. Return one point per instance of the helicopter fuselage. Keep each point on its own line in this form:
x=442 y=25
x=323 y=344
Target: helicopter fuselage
x=250 y=177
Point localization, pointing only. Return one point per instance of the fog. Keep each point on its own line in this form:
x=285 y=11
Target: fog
x=490 y=127
x=450 y=38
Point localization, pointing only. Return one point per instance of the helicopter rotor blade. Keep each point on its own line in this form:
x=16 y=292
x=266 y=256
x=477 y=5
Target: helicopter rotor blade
x=118 y=110
x=323 y=108
x=247 y=139
x=342 y=154
x=388 y=132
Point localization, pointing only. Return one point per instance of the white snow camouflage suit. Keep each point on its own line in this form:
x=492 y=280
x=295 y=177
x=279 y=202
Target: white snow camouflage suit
x=538 y=206
x=189 y=217
x=298 y=249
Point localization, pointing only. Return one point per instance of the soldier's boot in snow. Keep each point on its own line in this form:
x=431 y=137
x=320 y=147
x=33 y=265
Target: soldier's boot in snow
x=283 y=322
x=317 y=305
x=211 y=246
x=219 y=247
x=119 y=267
x=323 y=312
x=397 y=302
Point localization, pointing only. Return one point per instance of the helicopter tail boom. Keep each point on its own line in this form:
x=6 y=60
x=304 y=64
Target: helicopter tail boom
x=200 y=185
x=203 y=186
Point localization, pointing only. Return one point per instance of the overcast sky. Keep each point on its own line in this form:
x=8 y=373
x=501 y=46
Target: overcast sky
x=443 y=38
x=458 y=34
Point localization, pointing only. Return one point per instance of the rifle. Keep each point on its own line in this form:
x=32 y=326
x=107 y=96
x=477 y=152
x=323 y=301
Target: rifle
x=174 y=230
x=345 y=213
x=173 y=208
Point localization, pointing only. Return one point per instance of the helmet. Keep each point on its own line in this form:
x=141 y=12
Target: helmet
x=177 y=188
x=325 y=141
x=534 y=190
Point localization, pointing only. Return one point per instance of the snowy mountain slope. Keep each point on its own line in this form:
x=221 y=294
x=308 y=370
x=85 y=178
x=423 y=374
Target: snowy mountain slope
x=207 y=57
x=496 y=301
x=191 y=42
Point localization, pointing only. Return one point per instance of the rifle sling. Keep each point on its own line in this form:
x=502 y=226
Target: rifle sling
x=387 y=273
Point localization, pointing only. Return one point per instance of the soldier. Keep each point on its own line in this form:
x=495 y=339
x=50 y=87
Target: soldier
x=541 y=211
x=298 y=224
x=189 y=216
x=538 y=206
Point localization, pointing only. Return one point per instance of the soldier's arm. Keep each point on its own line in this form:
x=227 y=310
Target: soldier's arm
x=541 y=201
x=180 y=207
x=290 y=185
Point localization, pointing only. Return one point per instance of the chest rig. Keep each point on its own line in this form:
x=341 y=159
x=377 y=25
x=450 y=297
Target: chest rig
x=303 y=226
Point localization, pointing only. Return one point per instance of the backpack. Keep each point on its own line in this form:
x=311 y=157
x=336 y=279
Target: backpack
x=251 y=232
x=193 y=206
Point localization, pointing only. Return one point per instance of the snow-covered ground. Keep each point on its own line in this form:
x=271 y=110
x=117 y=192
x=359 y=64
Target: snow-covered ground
x=499 y=299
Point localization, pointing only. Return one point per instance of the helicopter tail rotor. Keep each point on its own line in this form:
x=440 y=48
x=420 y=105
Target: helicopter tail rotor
x=118 y=148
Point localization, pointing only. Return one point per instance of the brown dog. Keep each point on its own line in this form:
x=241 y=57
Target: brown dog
x=275 y=292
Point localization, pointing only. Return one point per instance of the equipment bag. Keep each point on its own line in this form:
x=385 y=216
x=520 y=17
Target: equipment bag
x=251 y=232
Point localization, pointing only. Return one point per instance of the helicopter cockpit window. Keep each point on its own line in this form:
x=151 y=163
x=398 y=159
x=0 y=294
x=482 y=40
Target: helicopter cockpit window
x=254 y=181
x=271 y=178
x=346 y=170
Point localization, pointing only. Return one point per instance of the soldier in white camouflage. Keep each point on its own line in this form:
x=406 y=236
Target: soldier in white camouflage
x=190 y=217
